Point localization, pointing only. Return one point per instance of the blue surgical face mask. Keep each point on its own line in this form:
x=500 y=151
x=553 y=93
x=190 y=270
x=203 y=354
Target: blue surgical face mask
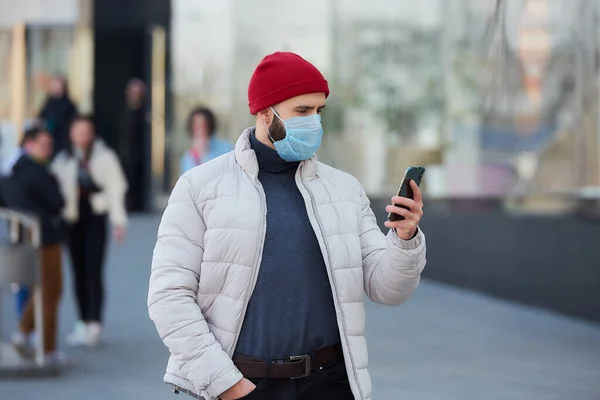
x=302 y=137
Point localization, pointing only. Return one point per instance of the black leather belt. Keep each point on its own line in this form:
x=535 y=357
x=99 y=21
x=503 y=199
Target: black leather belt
x=295 y=367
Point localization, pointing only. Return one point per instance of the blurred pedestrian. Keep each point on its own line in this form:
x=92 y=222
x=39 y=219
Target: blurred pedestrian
x=33 y=189
x=21 y=292
x=206 y=145
x=132 y=145
x=263 y=257
x=94 y=187
x=58 y=111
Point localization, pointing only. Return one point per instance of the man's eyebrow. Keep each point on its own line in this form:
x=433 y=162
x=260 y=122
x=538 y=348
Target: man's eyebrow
x=306 y=107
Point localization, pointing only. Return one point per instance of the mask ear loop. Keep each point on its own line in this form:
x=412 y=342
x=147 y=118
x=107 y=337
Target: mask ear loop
x=267 y=128
x=269 y=133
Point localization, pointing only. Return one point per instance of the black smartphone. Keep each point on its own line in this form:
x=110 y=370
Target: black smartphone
x=411 y=174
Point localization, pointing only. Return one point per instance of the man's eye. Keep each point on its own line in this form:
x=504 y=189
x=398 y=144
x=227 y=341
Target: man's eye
x=319 y=111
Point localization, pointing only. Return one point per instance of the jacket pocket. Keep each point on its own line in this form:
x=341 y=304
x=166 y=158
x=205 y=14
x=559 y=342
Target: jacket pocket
x=261 y=387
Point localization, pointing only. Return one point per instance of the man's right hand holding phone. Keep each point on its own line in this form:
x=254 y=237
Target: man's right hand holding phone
x=406 y=229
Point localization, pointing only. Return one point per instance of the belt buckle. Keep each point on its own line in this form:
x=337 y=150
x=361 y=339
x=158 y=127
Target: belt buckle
x=307 y=362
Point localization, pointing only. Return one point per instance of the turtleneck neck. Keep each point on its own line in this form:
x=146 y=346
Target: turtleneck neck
x=268 y=159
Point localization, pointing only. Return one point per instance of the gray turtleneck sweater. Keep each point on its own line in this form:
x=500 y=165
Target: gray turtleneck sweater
x=291 y=311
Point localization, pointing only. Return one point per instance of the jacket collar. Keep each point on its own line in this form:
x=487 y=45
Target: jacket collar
x=246 y=158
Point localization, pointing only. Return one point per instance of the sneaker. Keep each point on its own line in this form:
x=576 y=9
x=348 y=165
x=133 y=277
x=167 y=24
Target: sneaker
x=94 y=329
x=22 y=345
x=79 y=336
x=57 y=358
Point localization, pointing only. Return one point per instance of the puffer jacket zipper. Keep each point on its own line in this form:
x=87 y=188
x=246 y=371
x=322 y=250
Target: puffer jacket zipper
x=257 y=262
x=326 y=256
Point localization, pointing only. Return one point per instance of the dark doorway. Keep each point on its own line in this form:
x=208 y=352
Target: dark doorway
x=122 y=52
x=119 y=56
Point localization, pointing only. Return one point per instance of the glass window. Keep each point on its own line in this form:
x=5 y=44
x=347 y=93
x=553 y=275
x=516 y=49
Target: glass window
x=496 y=99
x=48 y=53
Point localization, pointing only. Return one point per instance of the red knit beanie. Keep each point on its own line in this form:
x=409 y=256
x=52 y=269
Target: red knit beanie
x=281 y=76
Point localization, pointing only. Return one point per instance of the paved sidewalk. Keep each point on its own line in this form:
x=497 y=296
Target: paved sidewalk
x=445 y=344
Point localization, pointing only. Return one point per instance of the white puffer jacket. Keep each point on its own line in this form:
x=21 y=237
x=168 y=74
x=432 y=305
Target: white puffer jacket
x=207 y=257
x=106 y=172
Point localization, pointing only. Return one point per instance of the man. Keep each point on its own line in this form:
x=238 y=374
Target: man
x=132 y=146
x=263 y=256
x=57 y=112
x=33 y=189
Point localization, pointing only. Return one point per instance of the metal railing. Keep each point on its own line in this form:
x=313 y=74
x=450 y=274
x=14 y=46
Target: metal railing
x=20 y=263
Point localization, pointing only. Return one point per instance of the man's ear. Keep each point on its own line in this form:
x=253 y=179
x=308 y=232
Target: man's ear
x=265 y=116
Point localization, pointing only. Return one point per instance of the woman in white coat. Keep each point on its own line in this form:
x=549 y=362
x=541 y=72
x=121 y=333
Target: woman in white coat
x=94 y=188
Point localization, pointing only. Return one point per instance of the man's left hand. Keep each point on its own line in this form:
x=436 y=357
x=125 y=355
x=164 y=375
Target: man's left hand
x=407 y=228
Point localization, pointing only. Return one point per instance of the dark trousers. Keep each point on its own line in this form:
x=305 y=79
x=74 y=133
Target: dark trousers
x=330 y=383
x=87 y=245
x=135 y=198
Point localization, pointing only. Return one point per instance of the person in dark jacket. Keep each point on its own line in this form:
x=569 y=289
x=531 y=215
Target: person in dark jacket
x=32 y=189
x=57 y=113
x=133 y=145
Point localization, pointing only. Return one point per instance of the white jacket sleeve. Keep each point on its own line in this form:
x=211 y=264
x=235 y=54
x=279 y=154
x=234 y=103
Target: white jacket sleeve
x=391 y=266
x=116 y=190
x=172 y=296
